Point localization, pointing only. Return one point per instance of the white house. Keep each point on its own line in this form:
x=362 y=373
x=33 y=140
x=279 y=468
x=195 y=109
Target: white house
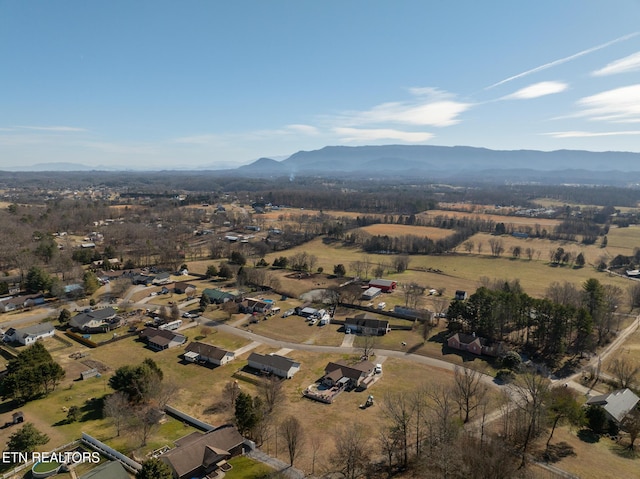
x=272 y=363
x=30 y=334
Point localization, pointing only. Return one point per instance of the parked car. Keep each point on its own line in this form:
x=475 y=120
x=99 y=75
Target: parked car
x=378 y=368
x=288 y=312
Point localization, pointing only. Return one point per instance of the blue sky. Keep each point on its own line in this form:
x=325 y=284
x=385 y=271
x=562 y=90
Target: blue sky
x=164 y=85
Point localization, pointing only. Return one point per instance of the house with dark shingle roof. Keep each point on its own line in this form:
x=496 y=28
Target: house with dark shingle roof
x=218 y=296
x=616 y=404
x=197 y=351
x=99 y=320
x=204 y=455
x=161 y=339
x=253 y=305
x=367 y=324
x=353 y=375
x=280 y=366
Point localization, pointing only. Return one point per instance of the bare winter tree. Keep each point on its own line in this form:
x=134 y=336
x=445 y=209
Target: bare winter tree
x=366 y=343
x=272 y=393
x=293 y=434
x=625 y=372
x=117 y=409
x=316 y=445
x=530 y=396
x=400 y=410
x=230 y=391
x=352 y=453
x=469 y=391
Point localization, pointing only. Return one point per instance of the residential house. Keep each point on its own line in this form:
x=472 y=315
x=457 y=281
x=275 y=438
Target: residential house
x=280 y=366
x=368 y=325
x=197 y=351
x=184 y=288
x=161 y=278
x=161 y=339
x=29 y=335
x=348 y=376
x=13 y=303
x=252 y=305
x=475 y=344
x=218 y=296
x=99 y=320
x=616 y=404
x=386 y=285
x=204 y=454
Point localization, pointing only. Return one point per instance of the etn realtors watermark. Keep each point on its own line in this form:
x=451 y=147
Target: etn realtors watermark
x=14 y=457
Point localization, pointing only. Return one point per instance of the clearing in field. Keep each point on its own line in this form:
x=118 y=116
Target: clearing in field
x=513 y=220
x=406 y=230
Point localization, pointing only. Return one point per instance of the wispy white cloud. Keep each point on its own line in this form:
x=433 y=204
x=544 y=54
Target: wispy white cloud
x=255 y=135
x=303 y=129
x=351 y=135
x=620 y=105
x=430 y=107
x=563 y=60
x=623 y=65
x=537 y=90
x=62 y=129
x=590 y=134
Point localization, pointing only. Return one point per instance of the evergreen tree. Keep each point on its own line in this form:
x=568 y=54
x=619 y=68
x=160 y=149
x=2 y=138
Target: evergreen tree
x=154 y=469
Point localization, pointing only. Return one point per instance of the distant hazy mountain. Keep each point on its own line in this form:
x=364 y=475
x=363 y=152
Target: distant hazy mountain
x=445 y=162
x=51 y=167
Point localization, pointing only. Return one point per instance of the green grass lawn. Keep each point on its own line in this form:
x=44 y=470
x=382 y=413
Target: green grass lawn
x=246 y=468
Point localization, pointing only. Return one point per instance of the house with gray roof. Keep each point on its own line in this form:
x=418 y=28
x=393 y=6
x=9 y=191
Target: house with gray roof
x=29 y=335
x=616 y=404
x=161 y=339
x=280 y=366
x=350 y=376
x=367 y=324
x=99 y=320
x=197 y=351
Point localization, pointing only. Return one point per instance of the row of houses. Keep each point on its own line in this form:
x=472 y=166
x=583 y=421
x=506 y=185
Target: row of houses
x=14 y=303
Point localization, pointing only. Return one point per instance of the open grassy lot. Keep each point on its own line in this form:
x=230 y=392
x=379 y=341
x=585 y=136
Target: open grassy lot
x=405 y=230
x=513 y=220
x=296 y=329
x=596 y=460
x=628 y=352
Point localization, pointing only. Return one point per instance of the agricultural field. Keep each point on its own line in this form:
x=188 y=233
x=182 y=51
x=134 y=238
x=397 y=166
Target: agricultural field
x=405 y=230
x=513 y=220
x=457 y=271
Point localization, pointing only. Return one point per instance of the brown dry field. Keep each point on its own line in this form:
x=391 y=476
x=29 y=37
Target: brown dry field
x=405 y=230
x=514 y=220
x=600 y=460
